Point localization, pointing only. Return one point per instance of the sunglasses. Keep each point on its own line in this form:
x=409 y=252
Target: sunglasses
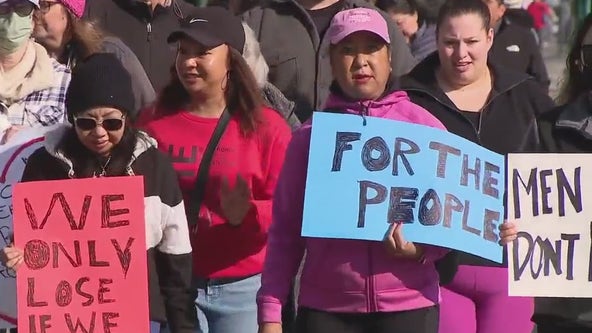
x=109 y=124
x=21 y=8
x=45 y=6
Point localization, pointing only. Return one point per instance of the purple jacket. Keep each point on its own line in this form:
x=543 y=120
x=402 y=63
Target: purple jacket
x=341 y=275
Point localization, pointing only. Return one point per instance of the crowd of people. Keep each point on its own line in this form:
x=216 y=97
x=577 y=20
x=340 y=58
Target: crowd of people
x=213 y=107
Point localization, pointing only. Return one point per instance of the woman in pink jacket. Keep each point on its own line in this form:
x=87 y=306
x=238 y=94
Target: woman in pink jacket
x=350 y=285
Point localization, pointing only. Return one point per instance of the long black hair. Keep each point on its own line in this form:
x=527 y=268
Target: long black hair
x=578 y=78
x=87 y=164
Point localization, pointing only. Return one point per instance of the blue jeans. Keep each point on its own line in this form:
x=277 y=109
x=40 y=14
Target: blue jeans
x=154 y=327
x=228 y=308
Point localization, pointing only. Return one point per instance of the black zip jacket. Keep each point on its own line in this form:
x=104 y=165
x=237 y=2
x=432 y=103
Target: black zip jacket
x=520 y=16
x=142 y=31
x=167 y=237
x=516 y=48
x=507 y=123
x=567 y=129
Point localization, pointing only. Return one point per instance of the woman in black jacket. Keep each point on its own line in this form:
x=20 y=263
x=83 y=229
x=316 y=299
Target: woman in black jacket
x=102 y=144
x=566 y=130
x=496 y=109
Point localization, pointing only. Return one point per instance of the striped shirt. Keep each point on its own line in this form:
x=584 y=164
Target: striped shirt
x=45 y=107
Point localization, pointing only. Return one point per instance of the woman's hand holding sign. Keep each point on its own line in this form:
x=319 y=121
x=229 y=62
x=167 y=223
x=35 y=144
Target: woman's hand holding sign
x=397 y=246
x=12 y=257
x=508 y=232
x=10 y=133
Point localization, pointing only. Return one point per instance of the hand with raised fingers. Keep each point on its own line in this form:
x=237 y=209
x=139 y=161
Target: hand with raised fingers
x=235 y=202
x=397 y=246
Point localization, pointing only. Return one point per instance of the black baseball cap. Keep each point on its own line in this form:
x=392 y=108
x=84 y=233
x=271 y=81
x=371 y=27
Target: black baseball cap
x=211 y=27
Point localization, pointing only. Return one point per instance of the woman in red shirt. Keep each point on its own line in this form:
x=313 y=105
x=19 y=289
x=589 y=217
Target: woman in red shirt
x=228 y=207
x=541 y=12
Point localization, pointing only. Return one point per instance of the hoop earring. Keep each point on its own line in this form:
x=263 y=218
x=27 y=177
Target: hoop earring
x=226 y=81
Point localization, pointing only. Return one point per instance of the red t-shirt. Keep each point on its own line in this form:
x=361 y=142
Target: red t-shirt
x=219 y=249
x=538 y=11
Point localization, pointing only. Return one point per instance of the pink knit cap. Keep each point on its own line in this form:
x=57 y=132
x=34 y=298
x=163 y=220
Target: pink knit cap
x=75 y=6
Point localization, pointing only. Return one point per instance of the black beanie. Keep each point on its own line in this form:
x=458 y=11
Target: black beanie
x=99 y=81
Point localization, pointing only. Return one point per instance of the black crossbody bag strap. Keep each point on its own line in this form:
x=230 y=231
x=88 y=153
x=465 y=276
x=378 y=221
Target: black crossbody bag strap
x=197 y=195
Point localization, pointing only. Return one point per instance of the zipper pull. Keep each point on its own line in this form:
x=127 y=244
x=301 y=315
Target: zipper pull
x=149 y=30
x=363 y=113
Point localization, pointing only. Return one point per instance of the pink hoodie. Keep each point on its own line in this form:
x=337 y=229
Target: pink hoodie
x=348 y=276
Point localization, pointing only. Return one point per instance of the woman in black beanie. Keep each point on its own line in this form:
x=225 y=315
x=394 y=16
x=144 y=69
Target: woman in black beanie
x=102 y=144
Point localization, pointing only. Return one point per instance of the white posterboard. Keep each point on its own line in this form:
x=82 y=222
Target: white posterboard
x=550 y=197
x=13 y=157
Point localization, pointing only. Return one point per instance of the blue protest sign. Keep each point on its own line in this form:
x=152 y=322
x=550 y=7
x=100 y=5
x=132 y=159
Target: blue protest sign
x=447 y=190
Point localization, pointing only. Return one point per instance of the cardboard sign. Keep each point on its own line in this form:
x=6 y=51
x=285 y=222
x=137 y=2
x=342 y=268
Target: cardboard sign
x=85 y=259
x=447 y=190
x=550 y=197
x=13 y=157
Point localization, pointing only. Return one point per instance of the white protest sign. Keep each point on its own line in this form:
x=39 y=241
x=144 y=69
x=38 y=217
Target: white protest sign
x=13 y=157
x=550 y=197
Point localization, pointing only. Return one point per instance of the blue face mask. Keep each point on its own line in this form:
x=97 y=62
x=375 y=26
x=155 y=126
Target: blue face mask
x=15 y=30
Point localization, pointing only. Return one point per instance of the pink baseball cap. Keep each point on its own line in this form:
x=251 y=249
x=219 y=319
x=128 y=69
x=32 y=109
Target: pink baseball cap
x=349 y=21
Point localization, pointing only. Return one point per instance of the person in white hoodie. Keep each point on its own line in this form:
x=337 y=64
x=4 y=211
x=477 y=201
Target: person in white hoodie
x=32 y=84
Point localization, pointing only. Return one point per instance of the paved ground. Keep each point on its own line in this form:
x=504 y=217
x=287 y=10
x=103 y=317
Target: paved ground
x=554 y=56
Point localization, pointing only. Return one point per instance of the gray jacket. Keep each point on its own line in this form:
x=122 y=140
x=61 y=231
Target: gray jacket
x=298 y=59
x=275 y=99
x=424 y=42
x=144 y=93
